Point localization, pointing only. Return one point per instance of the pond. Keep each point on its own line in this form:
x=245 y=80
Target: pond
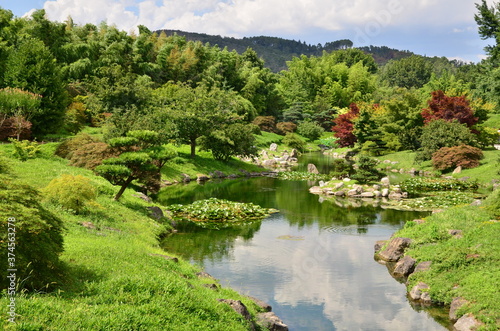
x=312 y=261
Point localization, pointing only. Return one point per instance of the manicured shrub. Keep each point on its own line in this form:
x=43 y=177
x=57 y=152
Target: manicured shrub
x=266 y=123
x=440 y=133
x=492 y=203
x=67 y=147
x=366 y=170
x=25 y=149
x=293 y=141
x=286 y=127
x=448 y=158
x=310 y=130
x=38 y=237
x=91 y=155
x=341 y=169
x=73 y=193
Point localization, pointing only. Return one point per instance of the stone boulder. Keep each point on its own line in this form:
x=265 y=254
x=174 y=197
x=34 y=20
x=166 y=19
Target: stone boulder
x=155 y=212
x=385 y=182
x=142 y=196
x=185 y=178
x=379 y=244
x=404 y=266
x=367 y=195
x=269 y=163
x=385 y=192
x=457 y=170
x=456 y=304
x=311 y=168
x=338 y=186
x=271 y=322
x=395 y=250
x=339 y=193
x=418 y=293
x=316 y=190
x=467 y=323
x=273 y=147
x=265 y=306
x=238 y=307
x=294 y=153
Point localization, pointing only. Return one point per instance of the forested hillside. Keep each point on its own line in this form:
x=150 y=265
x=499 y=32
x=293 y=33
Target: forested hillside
x=277 y=51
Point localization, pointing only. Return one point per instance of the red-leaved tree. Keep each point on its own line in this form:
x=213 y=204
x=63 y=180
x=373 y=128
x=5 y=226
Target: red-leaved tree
x=449 y=109
x=344 y=127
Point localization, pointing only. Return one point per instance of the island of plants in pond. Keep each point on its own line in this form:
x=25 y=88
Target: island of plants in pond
x=218 y=213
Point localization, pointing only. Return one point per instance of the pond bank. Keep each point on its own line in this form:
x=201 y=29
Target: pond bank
x=450 y=258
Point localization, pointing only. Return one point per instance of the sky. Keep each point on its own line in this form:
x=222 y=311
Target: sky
x=425 y=27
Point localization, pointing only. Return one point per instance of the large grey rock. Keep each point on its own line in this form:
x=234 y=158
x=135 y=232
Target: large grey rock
x=379 y=244
x=456 y=303
x=385 y=192
x=311 y=168
x=155 y=212
x=340 y=193
x=418 y=292
x=265 y=306
x=385 y=181
x=338 y=186
x=467 y=323
x=395 y=249
x=352 y=192
x=404 y=266
x=273 y=147
x=271 y=322
x=457 y=170
x=238 y=307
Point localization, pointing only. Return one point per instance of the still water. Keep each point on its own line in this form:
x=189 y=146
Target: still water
x=312 y=261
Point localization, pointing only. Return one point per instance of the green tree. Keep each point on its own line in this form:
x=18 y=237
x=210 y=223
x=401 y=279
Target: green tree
x=366 y=171
x=413 y=71
x=440 y=133
x=38 y=236
x=488 y=20
x=141 y=159
x=75 y=193
x=32 y=67
x=231 y=140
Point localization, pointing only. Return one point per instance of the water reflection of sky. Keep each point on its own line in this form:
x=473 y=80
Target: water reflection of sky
x=320 y=279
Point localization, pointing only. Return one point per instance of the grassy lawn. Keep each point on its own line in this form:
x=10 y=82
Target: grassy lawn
x=116 y=276
x=467 y=267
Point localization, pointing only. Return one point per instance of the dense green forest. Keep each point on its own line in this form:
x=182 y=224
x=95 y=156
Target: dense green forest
x=150 y=91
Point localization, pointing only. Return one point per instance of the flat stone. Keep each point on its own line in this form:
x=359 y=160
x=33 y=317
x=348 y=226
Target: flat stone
x=423 y=266
x=404 y=266
x=316 y=190
x=368 y=195
x=395 y=250
x=340 y=193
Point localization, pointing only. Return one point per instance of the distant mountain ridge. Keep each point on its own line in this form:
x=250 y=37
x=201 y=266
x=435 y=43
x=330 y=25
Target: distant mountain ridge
x=277 y=51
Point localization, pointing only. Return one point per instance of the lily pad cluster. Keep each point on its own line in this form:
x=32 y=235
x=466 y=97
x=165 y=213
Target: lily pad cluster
x=215 y=211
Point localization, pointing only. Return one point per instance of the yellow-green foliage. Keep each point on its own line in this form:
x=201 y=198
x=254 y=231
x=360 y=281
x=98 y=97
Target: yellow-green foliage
x=71 y=192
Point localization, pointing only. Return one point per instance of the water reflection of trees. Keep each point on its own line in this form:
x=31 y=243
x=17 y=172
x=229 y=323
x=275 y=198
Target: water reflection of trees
x=200 y=244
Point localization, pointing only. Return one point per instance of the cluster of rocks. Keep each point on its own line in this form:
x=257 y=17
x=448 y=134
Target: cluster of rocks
x=267 y=319
x=401 y=266
x=344 y=189
x=272 y=159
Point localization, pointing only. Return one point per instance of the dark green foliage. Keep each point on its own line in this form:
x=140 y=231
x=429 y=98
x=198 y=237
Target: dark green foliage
x=310 y=130
x=366 y=170
x=140 y=158
x=232 y=140
x=448 y=158
x=293 y=141
x=38 y=238
x=423 y=184
x=440 y=133
x=341 y=169
x=413 y=71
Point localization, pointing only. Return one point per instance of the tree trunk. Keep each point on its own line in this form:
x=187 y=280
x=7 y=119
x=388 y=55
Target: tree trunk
x=193 y=148
x=122 y=189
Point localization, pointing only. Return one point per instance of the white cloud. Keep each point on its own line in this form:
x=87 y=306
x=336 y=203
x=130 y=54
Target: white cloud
x=246 y=17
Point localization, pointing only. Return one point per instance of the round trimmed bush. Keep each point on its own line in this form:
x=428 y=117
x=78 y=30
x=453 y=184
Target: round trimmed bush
x=448 y=158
